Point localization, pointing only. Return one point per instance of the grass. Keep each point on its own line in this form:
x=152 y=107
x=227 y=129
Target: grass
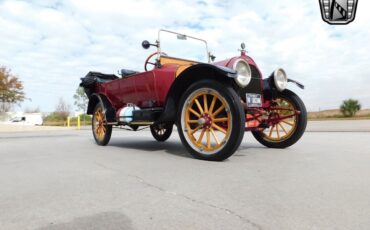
x=335 y=114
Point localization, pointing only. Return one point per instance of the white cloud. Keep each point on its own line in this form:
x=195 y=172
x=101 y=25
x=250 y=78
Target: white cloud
x=51 y=44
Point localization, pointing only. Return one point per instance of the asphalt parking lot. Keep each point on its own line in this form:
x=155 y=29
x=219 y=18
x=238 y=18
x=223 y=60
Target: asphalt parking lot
x=61 y=180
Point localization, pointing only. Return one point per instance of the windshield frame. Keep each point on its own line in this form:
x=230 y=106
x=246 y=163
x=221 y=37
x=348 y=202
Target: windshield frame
x=185 y=36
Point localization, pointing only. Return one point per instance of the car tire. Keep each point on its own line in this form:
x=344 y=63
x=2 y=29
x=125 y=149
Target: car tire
x=299 y=127
x=161 y=132
x=210 y=111
x=101 y=131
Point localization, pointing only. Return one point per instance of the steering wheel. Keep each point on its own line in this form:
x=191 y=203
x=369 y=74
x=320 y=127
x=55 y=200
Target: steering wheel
x=147 y=61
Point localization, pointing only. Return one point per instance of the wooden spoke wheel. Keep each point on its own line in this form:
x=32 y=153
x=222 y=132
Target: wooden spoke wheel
x=207 y=128
x=287 y=121
x=211 y=122
x=161 y=132
x=282 y=128
x=101 y=131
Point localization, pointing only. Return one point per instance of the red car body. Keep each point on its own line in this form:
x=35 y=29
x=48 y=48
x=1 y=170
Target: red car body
x=211 y=103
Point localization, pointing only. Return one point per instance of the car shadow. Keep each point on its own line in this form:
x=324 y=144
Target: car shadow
x=247 y=146
x=175 y=148
x=171 y=147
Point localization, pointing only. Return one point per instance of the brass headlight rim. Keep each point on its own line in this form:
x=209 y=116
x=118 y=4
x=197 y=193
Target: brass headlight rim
x=249 y=70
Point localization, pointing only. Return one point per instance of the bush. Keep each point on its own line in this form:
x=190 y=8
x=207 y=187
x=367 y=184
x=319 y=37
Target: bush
x=55 y=119
x=55 y=116
x=350 y=107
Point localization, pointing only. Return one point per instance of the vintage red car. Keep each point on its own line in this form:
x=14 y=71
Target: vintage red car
x=211 y=103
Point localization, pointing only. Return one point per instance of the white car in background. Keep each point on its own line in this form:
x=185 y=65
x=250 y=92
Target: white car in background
x=27 y=119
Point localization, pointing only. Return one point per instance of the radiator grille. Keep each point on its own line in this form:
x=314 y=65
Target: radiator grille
x=255 y=84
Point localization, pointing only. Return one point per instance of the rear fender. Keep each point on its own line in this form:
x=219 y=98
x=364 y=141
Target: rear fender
x=186 y=78
x=110 y=113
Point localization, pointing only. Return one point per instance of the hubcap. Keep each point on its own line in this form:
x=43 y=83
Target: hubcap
x=201 y=121
x=205 y=121
x=160 y=131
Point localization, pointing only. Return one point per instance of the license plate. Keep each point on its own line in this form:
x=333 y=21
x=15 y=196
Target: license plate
x=254 y=100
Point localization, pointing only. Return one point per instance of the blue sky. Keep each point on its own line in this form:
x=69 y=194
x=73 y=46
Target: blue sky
x=50 y=45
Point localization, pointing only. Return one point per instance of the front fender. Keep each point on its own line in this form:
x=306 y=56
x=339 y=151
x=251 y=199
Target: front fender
x=269 y=88
x=186 y=78
x=296 y=82
x=209 y=67
x=268 y=83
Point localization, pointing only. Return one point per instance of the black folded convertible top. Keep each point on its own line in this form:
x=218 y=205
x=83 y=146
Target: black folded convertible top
x=101 y=75
x=88 y=82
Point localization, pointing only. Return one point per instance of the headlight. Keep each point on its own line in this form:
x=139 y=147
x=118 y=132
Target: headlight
x=244 y=73
x=280 y=79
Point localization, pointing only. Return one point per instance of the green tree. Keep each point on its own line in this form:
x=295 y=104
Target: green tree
x=81 y=99
x=11 y=90
x=350 y=107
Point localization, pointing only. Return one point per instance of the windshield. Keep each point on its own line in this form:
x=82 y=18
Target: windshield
x=183 y=46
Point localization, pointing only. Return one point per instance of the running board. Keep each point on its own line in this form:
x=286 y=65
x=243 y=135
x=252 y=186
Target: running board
x=151 y=114
x=141 y=123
